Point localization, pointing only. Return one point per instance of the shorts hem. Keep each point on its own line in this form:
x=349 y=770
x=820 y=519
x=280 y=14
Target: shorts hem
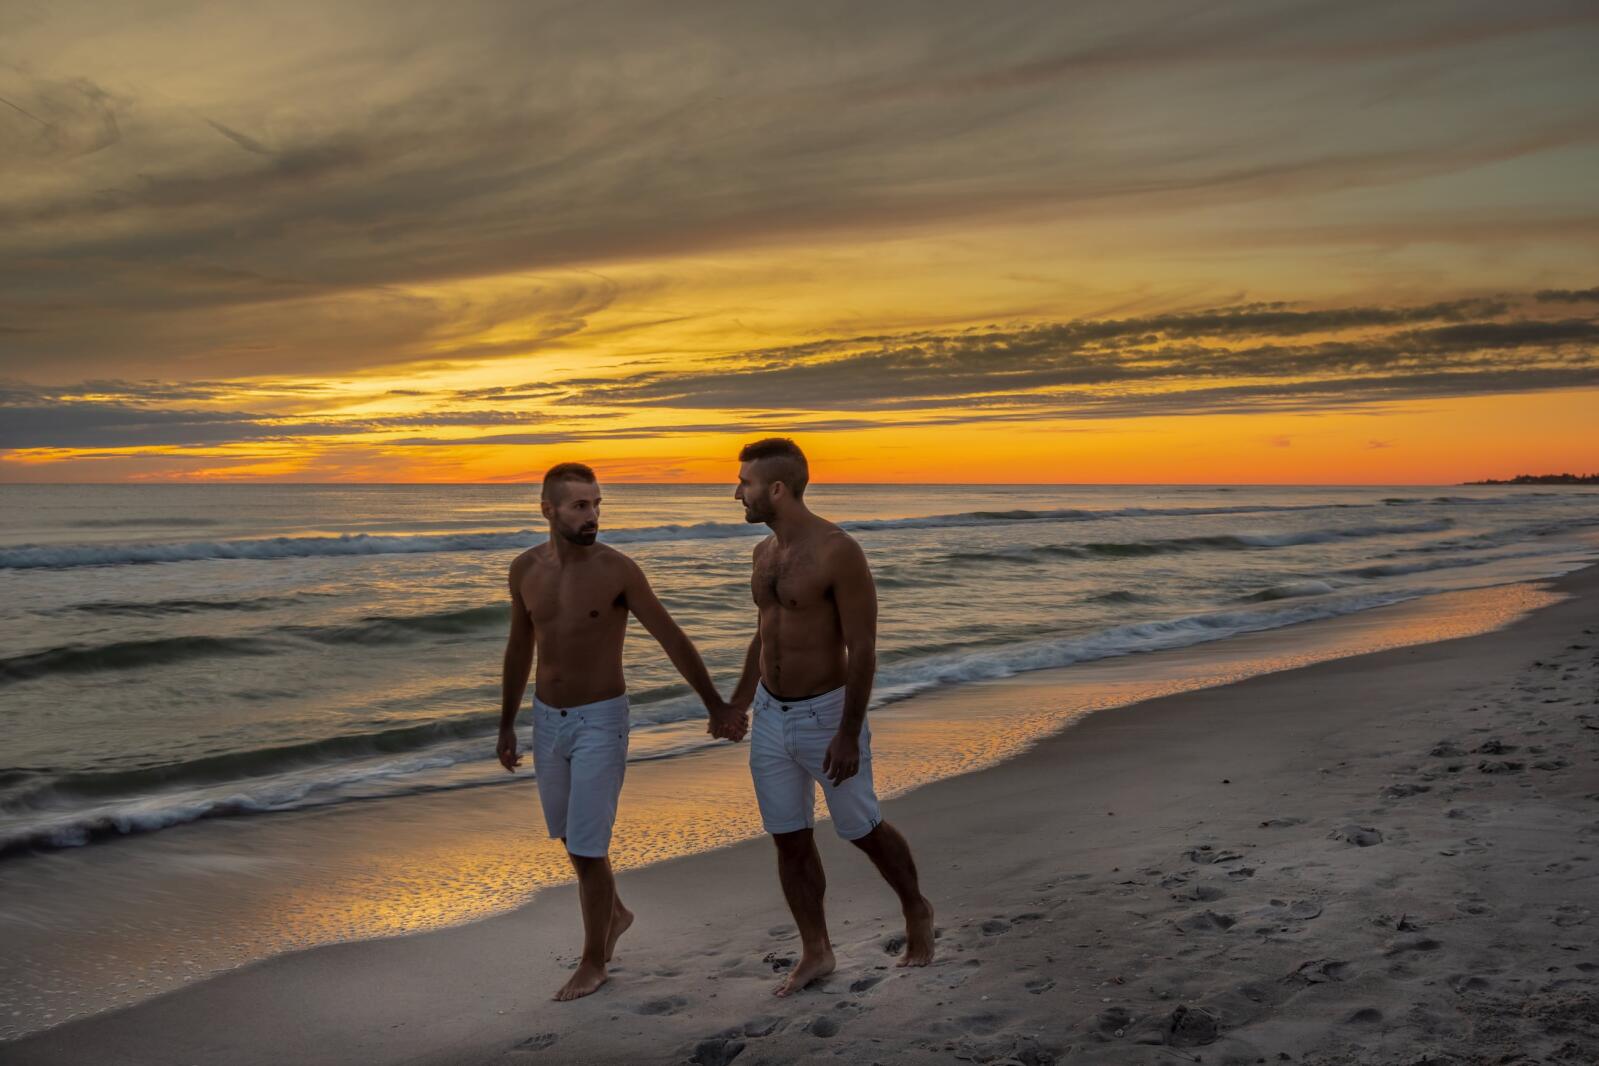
x=774 y=831
x=856 y=836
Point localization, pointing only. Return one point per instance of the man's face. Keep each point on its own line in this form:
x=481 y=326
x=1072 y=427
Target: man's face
x=754 y=493
x=574 y=511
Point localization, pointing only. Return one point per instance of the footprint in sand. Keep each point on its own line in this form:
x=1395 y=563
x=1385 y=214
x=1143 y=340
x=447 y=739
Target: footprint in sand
x=1362 y=836
x=1113 y=1021
x=1318 y=971
x=823 y=1025
x=536 y=1042
x=1404 y=789
x=1207 y=855
x=1209 y=921
x=1039 y=985
x=865 y=983
x=1410 y=944
x=1462 y=983
x=1191 y=1027
x=666 y=1005
x=717 y=1051
x=1365 y=1016
x=995 y=926
x=1500 y=766
x=1281 y=823
x=1200 y=893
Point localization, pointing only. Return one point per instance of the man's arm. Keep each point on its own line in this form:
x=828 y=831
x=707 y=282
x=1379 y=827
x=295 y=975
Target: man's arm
x=642 y=601
x=855 y=594
x=744 y=694
x=513 y=678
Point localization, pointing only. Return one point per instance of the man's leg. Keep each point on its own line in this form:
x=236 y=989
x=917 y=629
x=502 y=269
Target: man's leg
x=799 y=868
x=603 y=922
x=621 y=917
x=889 y=852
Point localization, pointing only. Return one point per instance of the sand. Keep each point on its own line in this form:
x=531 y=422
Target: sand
x=1387 y=858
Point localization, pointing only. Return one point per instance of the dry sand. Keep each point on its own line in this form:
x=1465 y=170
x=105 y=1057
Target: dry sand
x=1392 y=858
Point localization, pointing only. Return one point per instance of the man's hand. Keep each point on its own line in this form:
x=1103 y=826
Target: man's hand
x=728 y=722
x=506 y=750
x=843 y=758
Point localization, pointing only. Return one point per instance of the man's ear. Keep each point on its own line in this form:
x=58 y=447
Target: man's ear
x=545 y=509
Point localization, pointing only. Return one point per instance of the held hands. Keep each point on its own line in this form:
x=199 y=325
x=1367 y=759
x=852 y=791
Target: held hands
x=843 y=758
x=506 y=750
x=727 y=721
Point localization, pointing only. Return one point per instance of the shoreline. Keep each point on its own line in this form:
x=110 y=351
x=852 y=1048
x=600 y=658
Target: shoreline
x=232 y=892
x=342 y=1001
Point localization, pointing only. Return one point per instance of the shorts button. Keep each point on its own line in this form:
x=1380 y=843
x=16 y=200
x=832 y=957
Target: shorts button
x=785 y=707
x=563 y=714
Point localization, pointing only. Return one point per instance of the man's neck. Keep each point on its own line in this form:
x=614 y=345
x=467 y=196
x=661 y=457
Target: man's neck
x=791 y=525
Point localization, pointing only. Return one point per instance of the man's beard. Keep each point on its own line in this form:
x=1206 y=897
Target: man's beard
x=758 y=510
x=581 y=537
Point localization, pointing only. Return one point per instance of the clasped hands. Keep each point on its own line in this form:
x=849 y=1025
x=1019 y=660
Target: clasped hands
x=728 y=721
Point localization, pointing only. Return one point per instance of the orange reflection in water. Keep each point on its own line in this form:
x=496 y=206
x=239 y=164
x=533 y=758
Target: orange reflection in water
x=447 y=870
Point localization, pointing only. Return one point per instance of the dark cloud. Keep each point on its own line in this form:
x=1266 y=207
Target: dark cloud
x=1237 y=359
x=71 y=423
x=1158 y=361
x=1568 y=296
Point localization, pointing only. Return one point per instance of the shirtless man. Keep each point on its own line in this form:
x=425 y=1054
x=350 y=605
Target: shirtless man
x=809 y=674
x=570 y=599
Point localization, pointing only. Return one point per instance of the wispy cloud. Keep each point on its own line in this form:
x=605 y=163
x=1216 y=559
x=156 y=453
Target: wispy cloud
x=326 y=207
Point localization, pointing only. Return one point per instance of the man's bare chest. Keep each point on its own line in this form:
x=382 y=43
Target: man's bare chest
x=563 y=599
x=794 y=582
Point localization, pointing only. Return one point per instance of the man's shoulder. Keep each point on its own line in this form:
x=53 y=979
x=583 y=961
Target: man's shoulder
x=835 y=540
x=520 y=564
x=615 y=561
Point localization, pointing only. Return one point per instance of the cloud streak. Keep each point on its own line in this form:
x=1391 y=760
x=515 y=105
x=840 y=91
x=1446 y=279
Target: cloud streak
x=279 y=209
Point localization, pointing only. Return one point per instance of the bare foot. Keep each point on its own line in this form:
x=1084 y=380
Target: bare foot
x=918 y=936
x=587 y=978
x=621 y=919
x=809 y=969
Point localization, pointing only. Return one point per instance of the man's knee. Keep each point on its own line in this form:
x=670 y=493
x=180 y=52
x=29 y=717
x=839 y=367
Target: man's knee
x=795 y=844
x=589 y=865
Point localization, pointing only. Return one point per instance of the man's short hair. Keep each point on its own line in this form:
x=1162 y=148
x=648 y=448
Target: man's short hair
x=784 y=460
x=564 y=472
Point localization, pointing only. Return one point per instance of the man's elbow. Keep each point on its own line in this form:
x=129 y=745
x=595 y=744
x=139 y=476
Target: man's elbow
x=861 y=651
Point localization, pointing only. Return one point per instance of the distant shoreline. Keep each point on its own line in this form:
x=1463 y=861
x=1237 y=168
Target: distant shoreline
x=1542 y=479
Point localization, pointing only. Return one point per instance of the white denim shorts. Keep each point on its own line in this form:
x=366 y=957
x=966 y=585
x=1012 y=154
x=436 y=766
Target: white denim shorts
x=579 y=758
x=787 y=744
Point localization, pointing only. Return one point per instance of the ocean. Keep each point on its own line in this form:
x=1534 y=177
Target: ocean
x=242 y=720
x=178 y=653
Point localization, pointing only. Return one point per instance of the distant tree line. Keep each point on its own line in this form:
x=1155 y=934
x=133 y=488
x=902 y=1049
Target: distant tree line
x=1544 y=479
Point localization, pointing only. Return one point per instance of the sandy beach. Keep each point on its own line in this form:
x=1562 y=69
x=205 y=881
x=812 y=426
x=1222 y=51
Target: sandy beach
x=1385 y=858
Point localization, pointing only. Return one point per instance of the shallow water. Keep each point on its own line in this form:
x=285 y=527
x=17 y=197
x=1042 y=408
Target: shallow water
x=177 y=653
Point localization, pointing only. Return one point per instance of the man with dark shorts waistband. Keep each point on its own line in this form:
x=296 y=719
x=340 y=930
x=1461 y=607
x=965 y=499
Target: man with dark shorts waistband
x=570 y=598
x=809 y=675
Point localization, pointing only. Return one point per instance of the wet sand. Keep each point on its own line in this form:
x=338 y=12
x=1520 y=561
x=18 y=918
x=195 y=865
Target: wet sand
x=1387 y=858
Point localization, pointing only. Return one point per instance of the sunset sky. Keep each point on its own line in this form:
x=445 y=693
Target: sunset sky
x=1110 y=242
